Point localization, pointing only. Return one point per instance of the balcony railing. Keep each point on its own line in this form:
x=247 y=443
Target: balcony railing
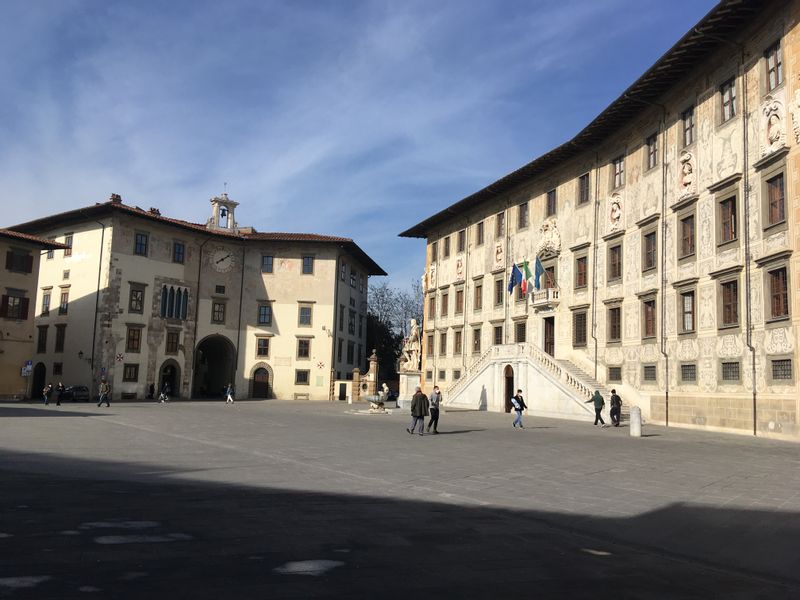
x=548 y=297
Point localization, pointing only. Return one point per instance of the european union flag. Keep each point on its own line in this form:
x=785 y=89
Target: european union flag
x=515 y=279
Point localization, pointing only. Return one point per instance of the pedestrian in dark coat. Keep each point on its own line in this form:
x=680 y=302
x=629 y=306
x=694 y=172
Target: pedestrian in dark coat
x=518 y=402
x=59 y=393
x=419 y=410
x=599 y=403
x=616 y=408
x=435 y=399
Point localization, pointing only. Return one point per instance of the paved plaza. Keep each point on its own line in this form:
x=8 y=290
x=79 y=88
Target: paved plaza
x=315 y=500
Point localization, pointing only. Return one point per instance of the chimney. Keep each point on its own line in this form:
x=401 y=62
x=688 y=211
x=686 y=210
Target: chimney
x=116 y=199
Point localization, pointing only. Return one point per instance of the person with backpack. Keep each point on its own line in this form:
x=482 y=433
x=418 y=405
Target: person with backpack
x=599 y=403
x=48 y=389
x=519 y=405
x=616 y=408
x=165 y=391
x=105 y=392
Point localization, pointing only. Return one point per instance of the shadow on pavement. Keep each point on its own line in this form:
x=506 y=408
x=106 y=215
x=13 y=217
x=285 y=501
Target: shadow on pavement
x=61 y=411
x=124 y=530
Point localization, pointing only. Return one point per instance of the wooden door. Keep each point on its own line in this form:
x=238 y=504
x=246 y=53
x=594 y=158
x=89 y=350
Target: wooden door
x=550 y=335
x=261 y=383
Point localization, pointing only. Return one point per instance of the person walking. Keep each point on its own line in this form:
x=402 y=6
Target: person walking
x=599 y=403
x=48 y=389
x=105 y=392
x=616 y=408
x=59 y=393
x=518 y=402
x=229 y=392
x=165 y=392
x=419 y=410
x=435 y=400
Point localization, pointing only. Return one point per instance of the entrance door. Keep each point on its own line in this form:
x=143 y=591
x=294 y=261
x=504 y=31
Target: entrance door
x=550 y=335
x=508 y=375
x=261 y=383
x=169 y=375
x=39 y=375
x=342 y=391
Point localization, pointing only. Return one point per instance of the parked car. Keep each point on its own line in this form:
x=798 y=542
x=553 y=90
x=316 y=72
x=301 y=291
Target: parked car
x=76 y=393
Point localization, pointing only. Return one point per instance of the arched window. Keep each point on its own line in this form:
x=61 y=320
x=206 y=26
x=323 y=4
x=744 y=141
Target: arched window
x=185 y=305
x=171 y=304
x=178 y=299
x=164 y=301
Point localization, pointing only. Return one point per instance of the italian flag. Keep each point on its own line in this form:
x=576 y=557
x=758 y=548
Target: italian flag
x=526 y=278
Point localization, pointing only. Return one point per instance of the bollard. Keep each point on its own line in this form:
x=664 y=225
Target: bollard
x=636 y=422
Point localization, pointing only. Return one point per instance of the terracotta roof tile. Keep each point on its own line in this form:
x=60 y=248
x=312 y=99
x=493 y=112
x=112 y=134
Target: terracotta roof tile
x=27 y=237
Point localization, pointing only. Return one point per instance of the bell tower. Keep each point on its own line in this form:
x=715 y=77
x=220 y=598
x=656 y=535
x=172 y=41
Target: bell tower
x=222 y=213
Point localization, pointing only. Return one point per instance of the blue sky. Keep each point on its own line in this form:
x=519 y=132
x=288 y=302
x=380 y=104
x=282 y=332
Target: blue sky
x=342 y=117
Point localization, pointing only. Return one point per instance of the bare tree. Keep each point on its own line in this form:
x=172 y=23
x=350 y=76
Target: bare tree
x=383 y=303
x=409 y=306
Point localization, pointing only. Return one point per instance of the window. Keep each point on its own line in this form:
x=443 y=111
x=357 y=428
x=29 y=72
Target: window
x=428 y=375
x=688 y=311
x=308 y=265
x=652 y=150
x=689 y=372
x=520 y=332
x=19 y=262
x=174 y=302
x=778 y=293
x=61 y=336
x=456 y=374
x=304 y=316
x=782 y=369
x=262 y=347
x=50 y=251
x=353 y=279
x=68 y=244
x=776 y=200
x=431 y=306
x=434 y=251
x=459 y=302
x=498 y=292
x=727 y=93
x=351 y=352
x=479 y=234
x=58 y=368
x=581 y=272
x=339 y=348
x=302 y=377
x=774 y=64
x=342 y=271
x=614 y=262
x=429 y=345
x=443 y=343
x=552 y=203
x=579 y=328
x=618 y=172
x=219 y=289
x=130 y=373
x=140 y=244
x=457 y=342
x=45 y=304
x=500 y=225
x=614 y=374
x=444 y=307
x=173 y=341
x=441 y=375
x=351 y=322
x=649 y=372
x=687 y=119
x=731 y=371
x=267 y=264
x=446 y=253
x=649 y=318
x=476 y=340
x=264 y=314
x=65 y=274
x=497 y=332
x=304 y=349
x=361 y=282
x=41 y=342
x=614 y=324
x=63 y=306
x=178 y=252
x=727 y=220
x=133 y=339
x=583 y=189
x=360 y=325
x=341 y=317
x=136 y=300
x=461 y=240
x=687 y=228
x=14 y=307
x=522 y=216
x=218 y=312
x=649 y=249
x=478 y=297
x=730 y=303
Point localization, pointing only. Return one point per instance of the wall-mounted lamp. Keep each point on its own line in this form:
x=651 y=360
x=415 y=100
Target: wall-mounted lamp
x=80 y=356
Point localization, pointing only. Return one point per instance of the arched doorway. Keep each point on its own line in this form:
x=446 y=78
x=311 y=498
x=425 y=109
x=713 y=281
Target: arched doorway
x=170 y=372
x=508 y=379
x=213 y=367
x=39 y=376
x=261 y=383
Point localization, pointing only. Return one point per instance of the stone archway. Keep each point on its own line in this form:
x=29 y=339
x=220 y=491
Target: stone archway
x=214 y=367
x=508 y=386
x=261 y=380
x=170 y=372
x=37 y=384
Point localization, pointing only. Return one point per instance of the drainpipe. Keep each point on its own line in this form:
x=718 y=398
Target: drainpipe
x=332 y=332
x=594 y=256
x=239 y=328
x=97 y=300
x=196 y=314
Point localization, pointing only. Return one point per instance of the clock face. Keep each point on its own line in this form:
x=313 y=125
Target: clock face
x=222 y=260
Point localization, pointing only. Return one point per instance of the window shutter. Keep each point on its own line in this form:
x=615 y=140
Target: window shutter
x=23 y=308
x=29 y=263
x=9 y=262
x=4 y=307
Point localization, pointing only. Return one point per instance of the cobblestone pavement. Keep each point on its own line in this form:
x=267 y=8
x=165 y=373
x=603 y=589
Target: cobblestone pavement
x=318 y=500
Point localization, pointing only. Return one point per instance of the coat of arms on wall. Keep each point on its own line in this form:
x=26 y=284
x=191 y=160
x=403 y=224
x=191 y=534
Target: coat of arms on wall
x=615 y=212
x=773 y=126
x=549 y=239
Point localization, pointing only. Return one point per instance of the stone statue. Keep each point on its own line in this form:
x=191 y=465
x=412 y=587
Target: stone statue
x=615 y=212
x=775 y=135
x=411 y=349
x=687 y=174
